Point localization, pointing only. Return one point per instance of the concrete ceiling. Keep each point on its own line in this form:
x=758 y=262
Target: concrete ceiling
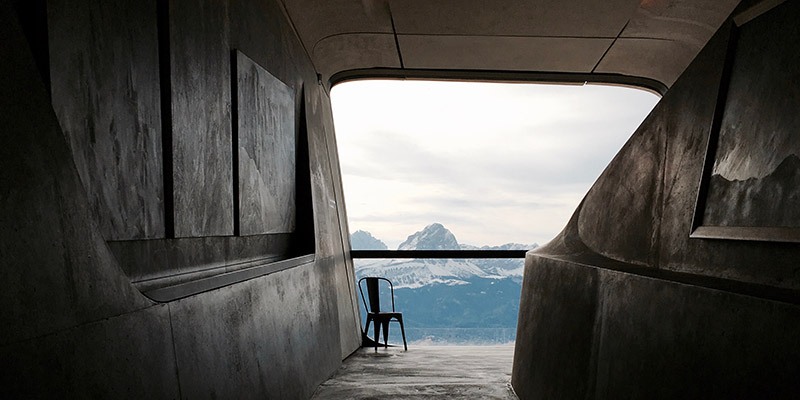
x=653 y=39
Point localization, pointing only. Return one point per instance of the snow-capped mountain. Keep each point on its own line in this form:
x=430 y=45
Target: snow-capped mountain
x=501 y=267
x=405 y=273
x=434 y=237
x=418 y=273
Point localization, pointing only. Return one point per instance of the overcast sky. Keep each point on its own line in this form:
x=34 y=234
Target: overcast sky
x=492 y=162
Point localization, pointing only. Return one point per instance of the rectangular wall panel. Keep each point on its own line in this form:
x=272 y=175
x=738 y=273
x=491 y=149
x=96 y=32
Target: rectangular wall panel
x=105 y=87
x=201 y=118
x=754 y=181
x=266 y=149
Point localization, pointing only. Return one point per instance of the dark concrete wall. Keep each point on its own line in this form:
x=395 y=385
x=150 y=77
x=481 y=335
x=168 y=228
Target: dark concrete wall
x=200 y=96
x=75 y=324
x=266 y=146
x=624 y=304
x=106 y=96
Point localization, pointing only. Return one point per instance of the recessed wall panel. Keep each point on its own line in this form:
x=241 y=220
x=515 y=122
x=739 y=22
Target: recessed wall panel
x=266 y=150
x=201 y=118
x=753 y=186
x=105 y=91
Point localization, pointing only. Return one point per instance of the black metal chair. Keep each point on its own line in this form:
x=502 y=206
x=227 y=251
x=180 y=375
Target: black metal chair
x=374 y=313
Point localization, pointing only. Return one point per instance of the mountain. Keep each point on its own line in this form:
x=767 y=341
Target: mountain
x=451 y=301
x=406 y=273
x=414 y=273
x=434 y=237
x=485 y=303
x=362 y=240
x=501 y=266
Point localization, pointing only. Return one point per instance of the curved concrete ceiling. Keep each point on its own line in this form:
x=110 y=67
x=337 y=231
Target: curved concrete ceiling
x=652 y=39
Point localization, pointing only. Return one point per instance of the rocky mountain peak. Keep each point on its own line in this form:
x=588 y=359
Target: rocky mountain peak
x=434 y=237
x=363 y=240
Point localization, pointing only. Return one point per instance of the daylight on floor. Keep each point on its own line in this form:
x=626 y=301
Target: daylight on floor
x=448 y=165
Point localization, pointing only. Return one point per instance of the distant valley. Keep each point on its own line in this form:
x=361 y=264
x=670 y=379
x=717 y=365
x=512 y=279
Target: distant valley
x=448 y=301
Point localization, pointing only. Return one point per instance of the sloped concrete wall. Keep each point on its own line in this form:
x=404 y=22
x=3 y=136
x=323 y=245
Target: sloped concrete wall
x=624 y=304
x=74 y=325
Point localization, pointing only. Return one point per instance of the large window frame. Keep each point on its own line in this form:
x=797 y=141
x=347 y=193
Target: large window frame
x=564 y=78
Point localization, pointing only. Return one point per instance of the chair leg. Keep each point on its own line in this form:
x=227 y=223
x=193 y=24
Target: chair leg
x=366 y=329
x=403 y=332
x=377 y=333
x=386 y=334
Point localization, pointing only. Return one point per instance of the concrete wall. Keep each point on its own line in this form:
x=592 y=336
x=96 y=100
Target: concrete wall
x=624 y=304
x=116 y=169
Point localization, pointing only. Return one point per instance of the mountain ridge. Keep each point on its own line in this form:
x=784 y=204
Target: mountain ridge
x=451 y=301
x=416 y=273
x=433 y=237
x=363 y=240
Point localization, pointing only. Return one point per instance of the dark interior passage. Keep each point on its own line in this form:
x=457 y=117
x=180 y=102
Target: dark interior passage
x=173 y=224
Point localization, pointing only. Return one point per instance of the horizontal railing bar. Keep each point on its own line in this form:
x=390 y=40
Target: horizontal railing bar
x=438 y=253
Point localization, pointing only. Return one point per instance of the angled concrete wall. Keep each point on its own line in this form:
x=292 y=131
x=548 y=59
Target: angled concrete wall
x=624 y=304
x=86 y=223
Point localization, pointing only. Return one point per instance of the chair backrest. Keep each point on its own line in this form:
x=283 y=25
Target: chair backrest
x=373 y=292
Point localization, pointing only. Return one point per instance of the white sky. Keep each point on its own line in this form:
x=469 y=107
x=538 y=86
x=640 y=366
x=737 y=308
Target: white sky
x=492 y=162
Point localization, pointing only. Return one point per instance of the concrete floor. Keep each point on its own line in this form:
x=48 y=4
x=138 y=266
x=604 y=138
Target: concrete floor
x=423 y=372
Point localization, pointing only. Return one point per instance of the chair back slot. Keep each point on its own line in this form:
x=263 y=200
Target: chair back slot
x=374 y=294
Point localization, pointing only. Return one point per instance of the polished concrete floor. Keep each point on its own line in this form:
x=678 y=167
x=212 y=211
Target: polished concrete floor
x=423 y=372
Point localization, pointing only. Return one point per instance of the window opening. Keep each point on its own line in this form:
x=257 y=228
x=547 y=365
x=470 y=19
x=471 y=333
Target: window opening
x=477 y=166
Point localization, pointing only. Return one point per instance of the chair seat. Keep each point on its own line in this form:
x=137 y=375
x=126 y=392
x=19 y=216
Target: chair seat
x=386 y=314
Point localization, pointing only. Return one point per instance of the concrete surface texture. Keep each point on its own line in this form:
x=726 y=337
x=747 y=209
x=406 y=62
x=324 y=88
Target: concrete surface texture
x=625 y=304
x=117 y=175
x=75 y=323
x=651 y=39
x=119 y=131
x=423 y=372
x=200 y=98
x=266 y=161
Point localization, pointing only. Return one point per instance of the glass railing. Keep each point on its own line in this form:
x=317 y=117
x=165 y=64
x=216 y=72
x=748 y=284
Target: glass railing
x=458 y=297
